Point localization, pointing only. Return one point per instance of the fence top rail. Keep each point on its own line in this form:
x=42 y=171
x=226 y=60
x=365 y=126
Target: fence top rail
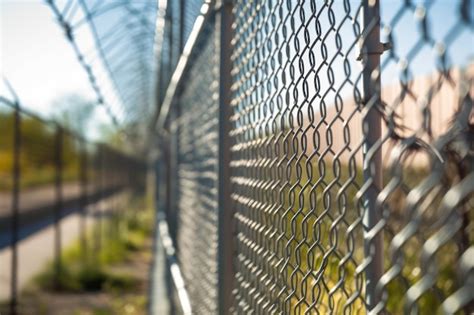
x=183 y=62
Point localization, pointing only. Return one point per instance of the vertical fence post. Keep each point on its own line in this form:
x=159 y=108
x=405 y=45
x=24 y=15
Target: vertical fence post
x=83 y=182
x=174 y=170
x=174 y=134
x=166 y=169
x=108 y=208
x=98 y=207
x=182 y=5
x=372 y=160
x=113 y=180
x=58 y=205
x=95 y=205
x=15 y=208
x=226 y=229
x=169 y=15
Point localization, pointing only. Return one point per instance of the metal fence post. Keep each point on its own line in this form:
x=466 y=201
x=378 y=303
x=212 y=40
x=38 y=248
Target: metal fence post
x=58 y=205
x=83 y=182
x=372 y=160
x=170 y=215
x=173 y=152
x=99 y=208
x=182 y=5
x=226 y=229
x=15 y=208
x=169 y=19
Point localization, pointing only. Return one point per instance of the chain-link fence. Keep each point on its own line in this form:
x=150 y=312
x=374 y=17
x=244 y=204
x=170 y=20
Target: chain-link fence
x=317 y=156
x=49 y=173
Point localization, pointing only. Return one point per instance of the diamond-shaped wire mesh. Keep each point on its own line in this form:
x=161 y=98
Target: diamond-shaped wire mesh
x=300 y=124
x=299 y=226
x=196 y=129
x=427 y=201
x=351 y=160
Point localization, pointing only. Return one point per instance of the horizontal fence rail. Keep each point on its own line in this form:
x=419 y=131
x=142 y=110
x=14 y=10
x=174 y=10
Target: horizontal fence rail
x=338 y=137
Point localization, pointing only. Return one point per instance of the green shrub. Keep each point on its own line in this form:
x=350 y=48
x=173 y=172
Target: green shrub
x=91 y=278
x=78 y=273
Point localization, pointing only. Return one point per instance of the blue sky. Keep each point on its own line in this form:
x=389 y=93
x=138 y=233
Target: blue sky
x=41 y=65
x=442 y=17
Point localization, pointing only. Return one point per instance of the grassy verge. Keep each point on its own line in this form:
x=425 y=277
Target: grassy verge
x=107 y=278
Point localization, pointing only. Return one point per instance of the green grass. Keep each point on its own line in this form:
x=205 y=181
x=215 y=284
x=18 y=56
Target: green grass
x=124 y=237
x=303 y=224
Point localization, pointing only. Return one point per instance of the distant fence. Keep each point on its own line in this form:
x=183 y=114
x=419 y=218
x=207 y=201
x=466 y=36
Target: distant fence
x=48 y=172
x=307 y=168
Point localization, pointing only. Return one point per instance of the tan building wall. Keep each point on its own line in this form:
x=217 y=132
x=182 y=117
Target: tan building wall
x=341 y=132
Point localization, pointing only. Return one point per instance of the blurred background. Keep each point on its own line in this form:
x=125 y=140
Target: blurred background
x=76 y=221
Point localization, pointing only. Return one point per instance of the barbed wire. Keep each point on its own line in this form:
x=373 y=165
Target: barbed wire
x=124 y=36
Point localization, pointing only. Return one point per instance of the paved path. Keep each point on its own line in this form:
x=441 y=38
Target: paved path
x=36 y=208
x=33 y=198
x=36 y=250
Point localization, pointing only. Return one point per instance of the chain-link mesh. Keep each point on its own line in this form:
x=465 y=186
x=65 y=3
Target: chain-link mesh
x=299 y=226
x=301 y=188
x=351 y=163
x=196 y=176
x=427 y=201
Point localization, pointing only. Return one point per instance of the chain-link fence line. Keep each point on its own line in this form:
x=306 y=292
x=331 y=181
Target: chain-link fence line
x=349 y=158
x=48 y=173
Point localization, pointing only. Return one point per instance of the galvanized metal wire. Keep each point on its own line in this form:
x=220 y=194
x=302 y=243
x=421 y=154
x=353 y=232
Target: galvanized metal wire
x=351 y=165
x=299 y=227
x=300 y=126
x=195 y=177
x=426 y=204
x=121 y=64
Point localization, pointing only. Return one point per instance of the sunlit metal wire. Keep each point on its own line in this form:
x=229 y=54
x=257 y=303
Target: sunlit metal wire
x=351 y=158
x=300 y=124
x=196 y=132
